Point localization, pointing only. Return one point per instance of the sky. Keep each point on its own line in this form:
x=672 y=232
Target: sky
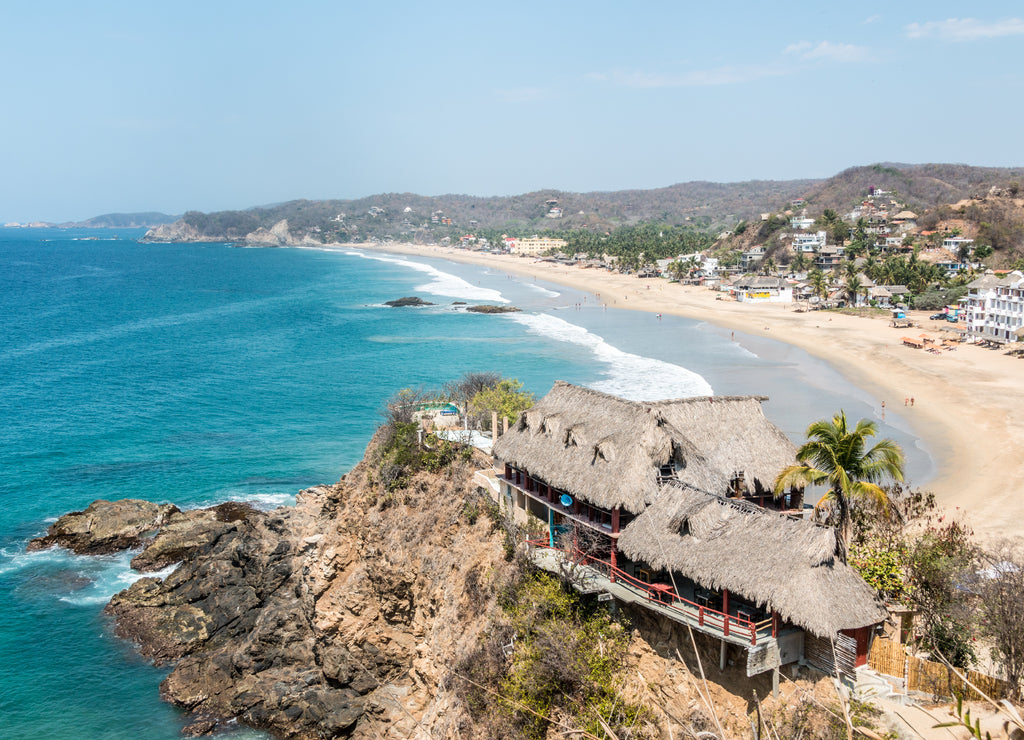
x=142 y=106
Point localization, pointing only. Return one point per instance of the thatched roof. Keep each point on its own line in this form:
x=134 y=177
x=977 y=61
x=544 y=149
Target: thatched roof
x=608 y=451
x=773 y=560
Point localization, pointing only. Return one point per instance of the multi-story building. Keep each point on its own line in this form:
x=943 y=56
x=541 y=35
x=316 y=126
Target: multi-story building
x=535 y=246
x=809 y=242
x=994 y=306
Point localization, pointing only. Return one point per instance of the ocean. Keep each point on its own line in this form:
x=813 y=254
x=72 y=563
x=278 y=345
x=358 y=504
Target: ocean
x=198 y=373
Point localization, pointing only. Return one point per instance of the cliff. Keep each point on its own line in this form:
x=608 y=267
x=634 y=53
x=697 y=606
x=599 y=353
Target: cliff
x=376 y=611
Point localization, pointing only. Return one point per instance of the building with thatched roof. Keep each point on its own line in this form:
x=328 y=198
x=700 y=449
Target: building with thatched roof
x=673 y=500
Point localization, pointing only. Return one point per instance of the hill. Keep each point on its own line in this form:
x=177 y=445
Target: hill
x=147 y=219
x=408 y=216
x=919 y=186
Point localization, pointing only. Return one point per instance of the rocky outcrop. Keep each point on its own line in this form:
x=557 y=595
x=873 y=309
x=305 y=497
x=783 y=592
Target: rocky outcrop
x=488 y=308
x=179 y=231
x=408 y=301
x=277 y=235
x=342 y=616
x=105 y=527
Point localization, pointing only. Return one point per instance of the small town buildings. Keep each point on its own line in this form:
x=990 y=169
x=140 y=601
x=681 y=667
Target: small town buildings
x=669 y=506
x=801 y=223
x=994 y=307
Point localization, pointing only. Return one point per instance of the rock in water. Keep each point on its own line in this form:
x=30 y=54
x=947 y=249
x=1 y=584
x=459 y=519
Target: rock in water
x=408 y=301
x=105 y=526
x=487 y=308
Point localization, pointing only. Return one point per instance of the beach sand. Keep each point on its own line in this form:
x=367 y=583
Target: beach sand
x=968 y=404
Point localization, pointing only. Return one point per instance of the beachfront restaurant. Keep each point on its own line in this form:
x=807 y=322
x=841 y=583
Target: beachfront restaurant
x=656 y=505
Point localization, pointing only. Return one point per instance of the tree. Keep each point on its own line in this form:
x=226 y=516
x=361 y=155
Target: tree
x=836 y=456
x=507 y=398
x=1000 y=588
x=818 y=283
x=853 y=289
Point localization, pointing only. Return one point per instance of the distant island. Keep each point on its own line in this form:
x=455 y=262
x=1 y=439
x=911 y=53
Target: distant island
x=143 y=220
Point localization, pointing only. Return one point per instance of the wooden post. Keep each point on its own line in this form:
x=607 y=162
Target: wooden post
x=775 y=683
x=725 y=610
x=505 y=430
x=611 y=573
x=551 y=527
x=775 y=623
x=494 y=425
x=721 y=655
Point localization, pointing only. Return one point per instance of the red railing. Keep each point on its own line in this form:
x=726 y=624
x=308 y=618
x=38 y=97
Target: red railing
x=666 y=596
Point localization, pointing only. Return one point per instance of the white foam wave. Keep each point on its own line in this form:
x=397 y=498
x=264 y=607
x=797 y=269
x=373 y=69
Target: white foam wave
x=542 y=289
x=264 y=500
x=627 y=375
x=441 y=283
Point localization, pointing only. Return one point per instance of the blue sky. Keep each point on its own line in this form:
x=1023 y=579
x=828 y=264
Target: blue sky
x=131 y=106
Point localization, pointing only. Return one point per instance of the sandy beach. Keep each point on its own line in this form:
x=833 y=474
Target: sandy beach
x=968 y=404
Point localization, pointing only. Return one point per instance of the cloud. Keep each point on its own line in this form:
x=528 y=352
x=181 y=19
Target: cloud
x=966 y=29
x=726 y=75
x=872 y=19
x=828 y=50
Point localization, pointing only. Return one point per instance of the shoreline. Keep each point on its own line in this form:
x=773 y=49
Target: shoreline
x=967 y=404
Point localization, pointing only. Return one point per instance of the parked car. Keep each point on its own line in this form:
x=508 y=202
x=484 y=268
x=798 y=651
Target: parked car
x=937 y=316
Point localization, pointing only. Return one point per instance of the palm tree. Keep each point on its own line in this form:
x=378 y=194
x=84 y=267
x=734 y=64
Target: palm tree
x=837 y=456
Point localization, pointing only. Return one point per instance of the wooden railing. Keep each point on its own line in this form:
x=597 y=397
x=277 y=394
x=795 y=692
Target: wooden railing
x=666 y=596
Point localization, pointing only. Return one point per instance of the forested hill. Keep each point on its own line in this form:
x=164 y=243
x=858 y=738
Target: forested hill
x=705 y=206
x=405 y=216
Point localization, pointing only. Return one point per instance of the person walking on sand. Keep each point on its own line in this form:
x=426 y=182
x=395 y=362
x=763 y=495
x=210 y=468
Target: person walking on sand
x=911 y=402
x=906 y=401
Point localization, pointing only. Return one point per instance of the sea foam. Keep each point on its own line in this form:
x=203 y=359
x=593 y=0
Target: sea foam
x=442 y=283
x=630 y=376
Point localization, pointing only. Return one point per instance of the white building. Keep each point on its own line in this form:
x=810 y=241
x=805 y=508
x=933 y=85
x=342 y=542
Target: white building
x=535 y=246
x=995 y=306
x=762 y=290
x=801 y=223
x=808 y=243
x=954 y=243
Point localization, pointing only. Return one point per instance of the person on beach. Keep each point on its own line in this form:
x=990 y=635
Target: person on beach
x=911 y=401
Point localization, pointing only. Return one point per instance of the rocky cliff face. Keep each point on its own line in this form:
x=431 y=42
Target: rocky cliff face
x=349 y=615
x=339 y=617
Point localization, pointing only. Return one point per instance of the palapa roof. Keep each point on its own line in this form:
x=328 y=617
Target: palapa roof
x=608 y=451
x=771 y=559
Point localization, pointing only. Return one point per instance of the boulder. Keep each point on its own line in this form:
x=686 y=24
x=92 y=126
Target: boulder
x=106 y=526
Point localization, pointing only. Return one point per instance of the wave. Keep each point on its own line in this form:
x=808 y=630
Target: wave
x=630 y=376
x=442 y=283
x=542 y=289
x=80 y=580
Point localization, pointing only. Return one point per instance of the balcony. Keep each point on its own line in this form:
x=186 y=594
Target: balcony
x=591 y=575
x=553 y=500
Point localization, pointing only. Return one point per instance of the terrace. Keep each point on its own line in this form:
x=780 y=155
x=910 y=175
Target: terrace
x=742 y=625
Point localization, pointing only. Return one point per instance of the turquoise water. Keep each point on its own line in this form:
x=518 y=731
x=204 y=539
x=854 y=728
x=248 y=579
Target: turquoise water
x=197 y=373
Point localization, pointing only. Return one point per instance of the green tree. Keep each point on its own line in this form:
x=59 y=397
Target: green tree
x=818 y=283
x=836 y=456
x=506 y=397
